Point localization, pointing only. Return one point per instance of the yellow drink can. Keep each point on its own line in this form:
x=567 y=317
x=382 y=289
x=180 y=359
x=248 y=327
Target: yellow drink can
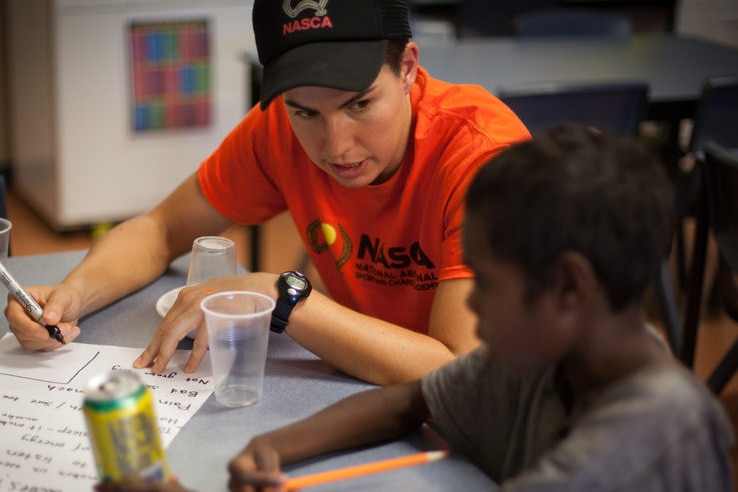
x=123 y=429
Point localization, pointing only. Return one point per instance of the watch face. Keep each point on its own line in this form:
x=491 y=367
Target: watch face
x=296 y=282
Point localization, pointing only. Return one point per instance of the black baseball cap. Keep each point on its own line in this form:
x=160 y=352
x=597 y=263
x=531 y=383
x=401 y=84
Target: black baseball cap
x=329 y=43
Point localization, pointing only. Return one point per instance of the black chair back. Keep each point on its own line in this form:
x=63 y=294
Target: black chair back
x=721 y=179
x=720 y=168
x=716 y=118
x=617 y=107
x=572 y=22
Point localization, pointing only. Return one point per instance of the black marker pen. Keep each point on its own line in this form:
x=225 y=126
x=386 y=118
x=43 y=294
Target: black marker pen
x=28 y=303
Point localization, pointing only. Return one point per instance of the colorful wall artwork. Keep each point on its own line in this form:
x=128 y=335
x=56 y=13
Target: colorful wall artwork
x=170 y=75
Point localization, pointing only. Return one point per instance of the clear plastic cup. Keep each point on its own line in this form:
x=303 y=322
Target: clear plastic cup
x=238 y=334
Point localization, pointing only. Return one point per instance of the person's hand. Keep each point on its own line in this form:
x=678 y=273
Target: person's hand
x=256 y=468
x=185 y=315
x=170 y=486
x=61 y=307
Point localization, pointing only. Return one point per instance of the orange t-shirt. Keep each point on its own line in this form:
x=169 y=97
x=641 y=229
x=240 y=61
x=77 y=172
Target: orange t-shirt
x=380 y=250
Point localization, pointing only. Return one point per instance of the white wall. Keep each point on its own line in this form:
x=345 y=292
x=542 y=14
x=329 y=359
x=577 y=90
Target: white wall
x=94 y=168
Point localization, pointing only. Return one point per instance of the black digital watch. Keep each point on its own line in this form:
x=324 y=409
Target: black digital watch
x=292 y=287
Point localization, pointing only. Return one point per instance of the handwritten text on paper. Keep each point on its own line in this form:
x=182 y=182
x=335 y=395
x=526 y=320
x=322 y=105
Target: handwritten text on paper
x=43 y=437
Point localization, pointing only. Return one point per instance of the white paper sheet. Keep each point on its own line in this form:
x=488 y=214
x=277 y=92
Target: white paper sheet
x=43 y=436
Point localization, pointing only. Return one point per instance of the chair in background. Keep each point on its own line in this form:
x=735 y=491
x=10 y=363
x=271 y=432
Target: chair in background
x=571 y=22
x=717 y=209
x=617 y=107
x=716 y=119
x=255 y=231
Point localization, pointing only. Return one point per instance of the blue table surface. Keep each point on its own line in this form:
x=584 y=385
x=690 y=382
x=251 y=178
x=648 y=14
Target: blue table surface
x=297 y=384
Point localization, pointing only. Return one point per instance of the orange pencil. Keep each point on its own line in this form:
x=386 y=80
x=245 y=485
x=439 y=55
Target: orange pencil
x=358 y=470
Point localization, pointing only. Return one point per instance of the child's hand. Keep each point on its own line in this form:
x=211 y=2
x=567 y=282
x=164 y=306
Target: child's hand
x=256 y=468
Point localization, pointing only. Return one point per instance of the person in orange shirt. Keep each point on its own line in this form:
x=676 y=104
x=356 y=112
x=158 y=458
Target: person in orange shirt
x=369 y=154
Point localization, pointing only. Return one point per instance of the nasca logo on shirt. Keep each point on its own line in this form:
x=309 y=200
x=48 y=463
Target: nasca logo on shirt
x=318 y=21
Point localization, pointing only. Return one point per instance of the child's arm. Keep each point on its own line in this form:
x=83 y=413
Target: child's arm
x=376 y=415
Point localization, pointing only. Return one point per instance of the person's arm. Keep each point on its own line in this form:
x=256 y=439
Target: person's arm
x=125 y=259
x=362 y=346
x=380 y=352
x=372 y=416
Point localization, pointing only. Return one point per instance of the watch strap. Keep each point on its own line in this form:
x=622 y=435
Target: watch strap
x=280 y=315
